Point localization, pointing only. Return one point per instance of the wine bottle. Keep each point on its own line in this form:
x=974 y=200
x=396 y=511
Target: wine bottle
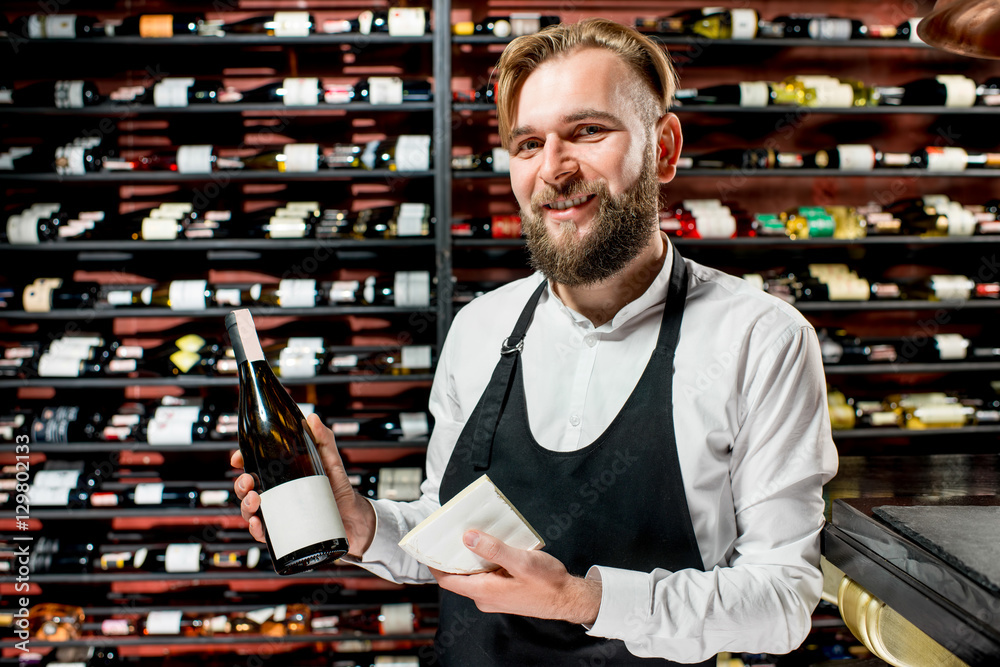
x=292 y=158
x=405 y=289
x=386 y=222
x=496 y=227
x=279 y=24
x=184 y=91
x=396 y=483
x=56 y=26
x=405 y=153
x=947 y=90
x=710 y=22
x=155 y=26
x=822 y=27
x=36 y=224
x=399 y=618
x=291 y=92
x=988 y=94
x=297 y=508
x=391 y=90
x=192 y=159
x=46 y=294
x=402 y=426
x=68 y=94
x=749 y=159
x=67 y=423
x=292 y=293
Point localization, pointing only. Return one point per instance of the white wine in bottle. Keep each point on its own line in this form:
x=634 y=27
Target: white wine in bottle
x=301 y=522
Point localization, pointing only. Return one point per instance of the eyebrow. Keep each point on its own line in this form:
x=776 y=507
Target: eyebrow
x=576 y=117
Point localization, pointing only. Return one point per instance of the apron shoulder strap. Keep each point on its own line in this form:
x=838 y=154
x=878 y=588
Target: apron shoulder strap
x=495 y=396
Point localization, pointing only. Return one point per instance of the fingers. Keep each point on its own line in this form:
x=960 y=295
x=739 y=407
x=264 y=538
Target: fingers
x=242 y=485
x=257 y=529
x=489 y=548
x=236 y=460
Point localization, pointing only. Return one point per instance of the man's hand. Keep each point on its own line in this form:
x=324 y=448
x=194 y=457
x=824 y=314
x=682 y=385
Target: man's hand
x=356 y=512
x=528 y=583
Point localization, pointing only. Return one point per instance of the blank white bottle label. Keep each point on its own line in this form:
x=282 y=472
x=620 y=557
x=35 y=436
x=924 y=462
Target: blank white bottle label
x=149 y=493
x=167 y=622
x=49 y=496
x=292 y=24
x=501 y=160
x=397 y=619
x=69 y=94
x=286 y=228
x=952 y=288
x=300 y=513
x=52 y=366
x=401 y=484
x=228 y=297
x=159 y=229
x=310 y=344
x=183 y=558
x=419 y=290
x=947 y=413
x=172 y=92
x=951 y=346
x=114 y=627
x=300 y=91
x=410 y=220
x=946 y=158
x=22 y=229
x=385 y=90
x=754 y=93
x=960 y=91
x=344 y=291
x=294 y=364
x=413 y=152
x=829 y=28
x=415 y=356
x=196 y=159
x=187 y=294
x=346 y=428
x=414 y=425
x=56 y=478
x=214 y=498
x=406 y=21
x=301 y=157
x=856 y=157
x=744 y=23
x=294 y=293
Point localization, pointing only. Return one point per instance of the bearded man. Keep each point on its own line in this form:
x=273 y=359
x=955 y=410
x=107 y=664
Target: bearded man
x=661 y=424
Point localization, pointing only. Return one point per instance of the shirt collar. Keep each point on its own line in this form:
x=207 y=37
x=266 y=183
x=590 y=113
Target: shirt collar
x=654 y=295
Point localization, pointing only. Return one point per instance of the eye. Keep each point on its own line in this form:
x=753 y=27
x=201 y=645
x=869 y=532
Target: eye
x=590 y=130
x=529 y=145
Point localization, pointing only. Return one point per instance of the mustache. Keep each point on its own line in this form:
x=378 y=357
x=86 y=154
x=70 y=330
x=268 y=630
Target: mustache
x=569 y=190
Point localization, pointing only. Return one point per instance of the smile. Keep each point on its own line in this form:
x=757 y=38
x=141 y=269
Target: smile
x=563 y=204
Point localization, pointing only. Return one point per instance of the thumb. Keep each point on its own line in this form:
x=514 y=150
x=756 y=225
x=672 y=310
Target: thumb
x=489 y=548
x=326 y=445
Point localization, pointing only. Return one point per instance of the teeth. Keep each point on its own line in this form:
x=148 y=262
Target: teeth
x=566 y=203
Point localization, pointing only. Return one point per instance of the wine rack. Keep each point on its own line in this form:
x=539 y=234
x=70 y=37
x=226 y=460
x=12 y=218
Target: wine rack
x=457 y=62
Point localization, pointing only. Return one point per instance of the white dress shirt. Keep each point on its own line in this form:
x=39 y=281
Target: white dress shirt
x=753 y=439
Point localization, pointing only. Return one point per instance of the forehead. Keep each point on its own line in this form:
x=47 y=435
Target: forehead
x=587 y=78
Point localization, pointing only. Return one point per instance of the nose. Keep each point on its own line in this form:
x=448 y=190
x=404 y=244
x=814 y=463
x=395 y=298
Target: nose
x=559 y=163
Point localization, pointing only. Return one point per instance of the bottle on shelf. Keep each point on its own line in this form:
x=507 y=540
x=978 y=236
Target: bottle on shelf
x=495 y=227
x=945 y=90
x=824 y=28
x=56 y=26
x=399 y=426
x=190 y=159
x=279 y=24
x=390 y=90
x=172 y=92
x=399 y=618
x=708 y=22
x=156 y=26
x=750 y=159
x=64 y=94
x=273 y=431
x=290 y=92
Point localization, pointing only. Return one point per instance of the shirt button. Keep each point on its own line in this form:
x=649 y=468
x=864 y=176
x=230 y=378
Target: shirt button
x=574 y=420
x=590 y=340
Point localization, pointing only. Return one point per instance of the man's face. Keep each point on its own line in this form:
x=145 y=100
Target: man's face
x=583 y=167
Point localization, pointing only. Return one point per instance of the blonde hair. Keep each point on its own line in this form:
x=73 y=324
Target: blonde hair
x=642 y=55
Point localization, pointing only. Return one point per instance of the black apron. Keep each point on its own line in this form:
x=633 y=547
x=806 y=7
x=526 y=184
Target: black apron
x=618 y=502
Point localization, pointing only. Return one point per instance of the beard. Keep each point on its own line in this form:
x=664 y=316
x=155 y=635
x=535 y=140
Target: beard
x=620 y=230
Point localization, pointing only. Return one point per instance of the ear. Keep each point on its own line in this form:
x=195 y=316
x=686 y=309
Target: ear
x=669 y=142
